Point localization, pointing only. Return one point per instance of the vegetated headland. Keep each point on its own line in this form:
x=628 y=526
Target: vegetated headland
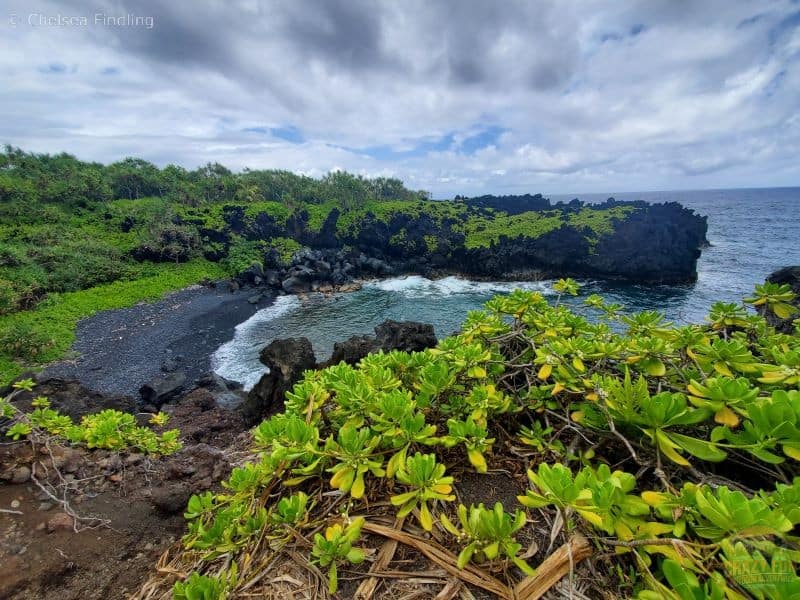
x=77 y=238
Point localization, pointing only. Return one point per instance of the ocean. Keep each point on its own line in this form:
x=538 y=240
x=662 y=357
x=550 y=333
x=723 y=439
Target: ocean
x=752 y=232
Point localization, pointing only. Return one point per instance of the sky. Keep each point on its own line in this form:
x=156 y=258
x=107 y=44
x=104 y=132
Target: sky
x=451 y=96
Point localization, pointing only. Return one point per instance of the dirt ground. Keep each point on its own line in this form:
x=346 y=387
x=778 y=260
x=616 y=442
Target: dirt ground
x=136 y=503
x=42 y=557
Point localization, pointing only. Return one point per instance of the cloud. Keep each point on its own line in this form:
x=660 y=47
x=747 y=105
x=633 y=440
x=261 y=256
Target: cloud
x=456 y=96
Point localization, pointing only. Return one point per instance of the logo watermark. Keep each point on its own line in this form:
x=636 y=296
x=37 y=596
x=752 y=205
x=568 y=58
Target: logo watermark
x=95 y=20
x=758 y=572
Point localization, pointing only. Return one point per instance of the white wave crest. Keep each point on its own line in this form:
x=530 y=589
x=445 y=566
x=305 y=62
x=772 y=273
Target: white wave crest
x=416 y=286
x=238 y=358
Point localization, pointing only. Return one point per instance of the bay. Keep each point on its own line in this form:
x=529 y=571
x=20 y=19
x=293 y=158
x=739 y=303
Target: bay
x=752 y=232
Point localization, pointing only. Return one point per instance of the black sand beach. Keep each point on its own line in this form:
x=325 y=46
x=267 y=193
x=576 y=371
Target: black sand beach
x=117 y=351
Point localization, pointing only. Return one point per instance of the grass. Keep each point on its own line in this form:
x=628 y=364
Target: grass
x=482 y=232
x=34 y=337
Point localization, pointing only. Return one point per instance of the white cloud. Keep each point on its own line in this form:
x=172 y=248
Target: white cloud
x=588 y=96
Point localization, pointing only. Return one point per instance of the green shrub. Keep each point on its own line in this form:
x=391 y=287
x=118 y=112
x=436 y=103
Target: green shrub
x=589 y=404
x=108 y=429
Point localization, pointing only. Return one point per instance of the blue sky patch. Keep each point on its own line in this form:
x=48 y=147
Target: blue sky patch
x=54 y=68
x=483 y=139
x=289 y=133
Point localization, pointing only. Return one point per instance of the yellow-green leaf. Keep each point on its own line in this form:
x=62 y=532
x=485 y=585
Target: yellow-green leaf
x=477 y=460
x=357 y=491
x=791 y=452
x=722 y=369
x=545 y=371
x=783 y=310
x=425 y=518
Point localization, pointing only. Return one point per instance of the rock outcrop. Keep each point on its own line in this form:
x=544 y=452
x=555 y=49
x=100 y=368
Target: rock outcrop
x=162 y=389
x=655 y=243
x=408 y=336
x=287 y=360
x=791 y=277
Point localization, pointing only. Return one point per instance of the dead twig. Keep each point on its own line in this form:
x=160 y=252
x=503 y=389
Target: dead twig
x=554 y=567
x=367 y=587
x=450 y=589
x=445 y=559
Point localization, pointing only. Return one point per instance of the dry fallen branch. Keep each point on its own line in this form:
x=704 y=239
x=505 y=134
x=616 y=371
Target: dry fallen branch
x=445 y=559
x=450 y=590
x=367 y=587
x=554 y=567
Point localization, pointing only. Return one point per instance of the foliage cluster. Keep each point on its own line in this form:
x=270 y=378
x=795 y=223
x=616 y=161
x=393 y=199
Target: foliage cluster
x=108 y=429
x=67 y=225
x=675 y=449
x=482 y=231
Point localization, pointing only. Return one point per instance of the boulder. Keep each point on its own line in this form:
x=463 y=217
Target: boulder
x=163 y=389
x=272 y=278
x=295 y=285
x=171 y=498
x=253 y=274
x=190 y=471
x=377 y=266
x=286 y=359
x=352 y=350
x=213 y=382
x=302 y=272
x=322 y=268
x=225 y=393
x=409 y=336
x=791 y=277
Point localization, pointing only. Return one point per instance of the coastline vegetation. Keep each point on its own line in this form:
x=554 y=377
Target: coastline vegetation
x=45 y=333
x=675 y=451
x=79 y=237
x=108 y=429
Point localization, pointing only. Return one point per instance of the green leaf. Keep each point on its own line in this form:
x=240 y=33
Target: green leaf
x=667 y=446
x=654 y=366
x=700 y=448
x=783 y=310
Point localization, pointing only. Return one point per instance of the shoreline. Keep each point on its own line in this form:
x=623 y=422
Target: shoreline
x=117 y=351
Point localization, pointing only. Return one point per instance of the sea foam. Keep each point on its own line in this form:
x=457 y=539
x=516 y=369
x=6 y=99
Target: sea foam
x=238 y=358
x=415 y=286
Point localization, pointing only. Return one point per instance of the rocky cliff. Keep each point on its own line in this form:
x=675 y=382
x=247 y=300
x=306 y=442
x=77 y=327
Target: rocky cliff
x=631 y=241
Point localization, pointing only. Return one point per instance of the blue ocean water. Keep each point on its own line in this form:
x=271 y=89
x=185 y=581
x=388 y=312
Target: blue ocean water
x=752 y=232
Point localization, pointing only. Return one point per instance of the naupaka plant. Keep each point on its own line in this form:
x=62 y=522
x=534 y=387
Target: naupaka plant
x=775 y=297
x=336 y=546
x=660 y=443
x=487 y=534
x=354 y=453
x=108 y=429
x=425 y=476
